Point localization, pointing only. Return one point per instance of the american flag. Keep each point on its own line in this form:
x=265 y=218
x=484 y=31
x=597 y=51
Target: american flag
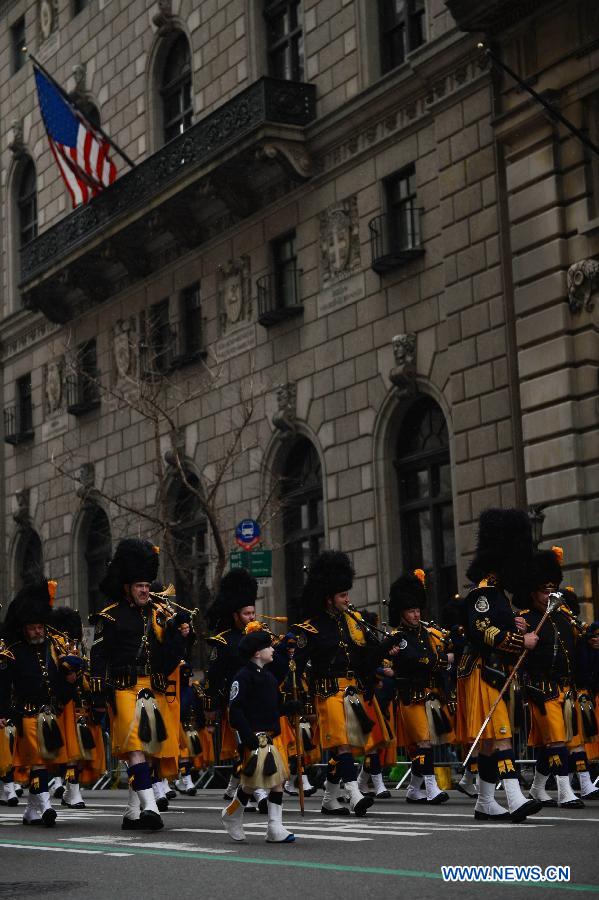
x=80 y=152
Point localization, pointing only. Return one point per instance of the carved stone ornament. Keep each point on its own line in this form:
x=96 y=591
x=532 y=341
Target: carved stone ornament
x=583 y=282
x=53 y=386
x=403 y=374
x=293 y=157
x=22 y=516
x=285 y=418
x=234 y=294
x=86 y=476
x=16 y=142
x=339 y=241
x=122 y=348
x=164 y=18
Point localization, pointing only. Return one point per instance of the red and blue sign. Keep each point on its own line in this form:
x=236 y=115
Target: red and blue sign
x=247 y=534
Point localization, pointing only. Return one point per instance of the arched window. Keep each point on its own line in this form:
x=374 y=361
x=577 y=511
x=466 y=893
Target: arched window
x=176 y=90
x=30 y=559
x=303 y=519
x=27 y=204
x=425 y=500
x=190 y=545
x=96 y=552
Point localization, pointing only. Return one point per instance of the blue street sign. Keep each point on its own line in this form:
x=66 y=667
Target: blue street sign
x=247 y=533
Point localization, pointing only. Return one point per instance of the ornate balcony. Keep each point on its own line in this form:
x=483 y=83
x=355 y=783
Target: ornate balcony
x=83 y=393
x=492 y=16
x=18 y=424
x=279 y=296
x=236 y=160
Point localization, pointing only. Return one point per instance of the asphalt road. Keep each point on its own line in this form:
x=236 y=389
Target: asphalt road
x=396 y=850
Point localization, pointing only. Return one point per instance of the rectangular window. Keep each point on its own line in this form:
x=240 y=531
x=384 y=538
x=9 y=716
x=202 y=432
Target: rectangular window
x=84 y=389
x=402 y=29
x=24 y=405
x=403 y=213
x=17 y=40
x=79 y=6
x=160 y=337
x=285 y=39
x=285 y=271
x=191 y=338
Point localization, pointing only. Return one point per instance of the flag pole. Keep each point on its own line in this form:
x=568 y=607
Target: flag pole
x=78 y=112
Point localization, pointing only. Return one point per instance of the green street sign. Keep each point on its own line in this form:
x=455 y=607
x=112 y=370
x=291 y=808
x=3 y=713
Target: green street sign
x=257 y=562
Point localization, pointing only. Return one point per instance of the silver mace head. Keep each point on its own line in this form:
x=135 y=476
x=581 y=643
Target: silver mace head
x=554 y=601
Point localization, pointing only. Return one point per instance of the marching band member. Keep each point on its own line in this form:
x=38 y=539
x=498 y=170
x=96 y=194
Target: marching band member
x=33 y=690
x=344 y=657
x=419 y=664
x=254 y=711
x=233 y=608
x=501 y=564
x=136 y=648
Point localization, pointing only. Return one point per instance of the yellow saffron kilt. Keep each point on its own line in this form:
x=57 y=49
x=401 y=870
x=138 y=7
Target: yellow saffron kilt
x=258 y=780
x=475 y=699
x=415 y=726
x=68 y=726
x=91 y=769
x=6 y=757
x=27 y=749
x=548 y=728
x=578 y=738
x=123 y=721
x=382 y=735
x=332 y=725
x=592 y=747
x=228 y=739
x=311 y=757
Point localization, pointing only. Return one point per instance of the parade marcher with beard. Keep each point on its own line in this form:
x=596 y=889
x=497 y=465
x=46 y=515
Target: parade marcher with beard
x=255 y=712
x=234 y=607
x=549 y=680
x=495 y=641
x=34 y=688
x=420 y=664
x=136 y=647
x=344 y=657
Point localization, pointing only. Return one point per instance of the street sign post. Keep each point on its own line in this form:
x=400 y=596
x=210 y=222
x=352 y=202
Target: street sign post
x=257 y=562
x=247 y=534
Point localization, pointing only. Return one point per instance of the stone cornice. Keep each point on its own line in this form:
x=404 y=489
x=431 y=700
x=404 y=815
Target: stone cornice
x=22 y=331
x=493 y=16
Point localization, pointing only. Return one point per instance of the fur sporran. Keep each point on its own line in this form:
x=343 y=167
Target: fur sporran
x=357 y=722
x=265 y=767
x=439 y=725
x=49 y=738
x=150 y=724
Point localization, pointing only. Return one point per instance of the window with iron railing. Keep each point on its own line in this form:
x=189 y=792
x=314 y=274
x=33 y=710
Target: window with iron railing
x=279 y=295
x=18 y=419
x=157 y=347
x=402 y=28
x=395 y=236
x=177 y=110
x=190 y=333
x=285 y=39
x=83 y=388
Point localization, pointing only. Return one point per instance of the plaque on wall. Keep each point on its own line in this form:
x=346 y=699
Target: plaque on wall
x=339 y=242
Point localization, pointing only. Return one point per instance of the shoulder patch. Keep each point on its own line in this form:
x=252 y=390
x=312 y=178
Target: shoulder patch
x=482 y=605
x=307 y=626
x=402 y=644
x=301 y=641
x=234 y=691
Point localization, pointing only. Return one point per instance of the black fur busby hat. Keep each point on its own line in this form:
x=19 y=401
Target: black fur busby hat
x=546 y=570
x=407 y=592
x=68 y=621
x=31 y=605
x=237 y=589
x=255 y=637
x=329 y=574
x=135 y=559
x=504 y=548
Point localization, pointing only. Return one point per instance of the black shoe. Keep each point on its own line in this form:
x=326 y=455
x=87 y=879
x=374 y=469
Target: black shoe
x=571 y=804
x=310 y=792
x=49 y=818
x=251 y=809
x=150 y=820
x=362 y=806
x=80 y=805
x=131 y=824
x=162 y=804
x=191 y=792
x=57 y=795
x=487 y=817
x=592 y=795
x=443 y=797
x=171 y=795
x=342 y=811
x=14 y=801
x=459 y=787
x=263 y=806
x=384 y=795
x=19 y=791
x=414 y=800
x=530 y=808
x=546 y=804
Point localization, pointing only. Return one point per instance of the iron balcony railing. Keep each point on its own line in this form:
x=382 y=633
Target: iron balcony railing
x=395 y=238
x=279 y=296
x=83 y=392
x=18 y=423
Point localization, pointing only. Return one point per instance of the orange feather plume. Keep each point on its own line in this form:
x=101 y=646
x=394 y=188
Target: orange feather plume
x=52 y=585
x=559 y=553
x=253 y=626
x=420 y=575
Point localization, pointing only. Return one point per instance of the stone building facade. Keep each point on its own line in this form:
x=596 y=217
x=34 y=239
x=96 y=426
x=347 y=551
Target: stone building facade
x=341 y=215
